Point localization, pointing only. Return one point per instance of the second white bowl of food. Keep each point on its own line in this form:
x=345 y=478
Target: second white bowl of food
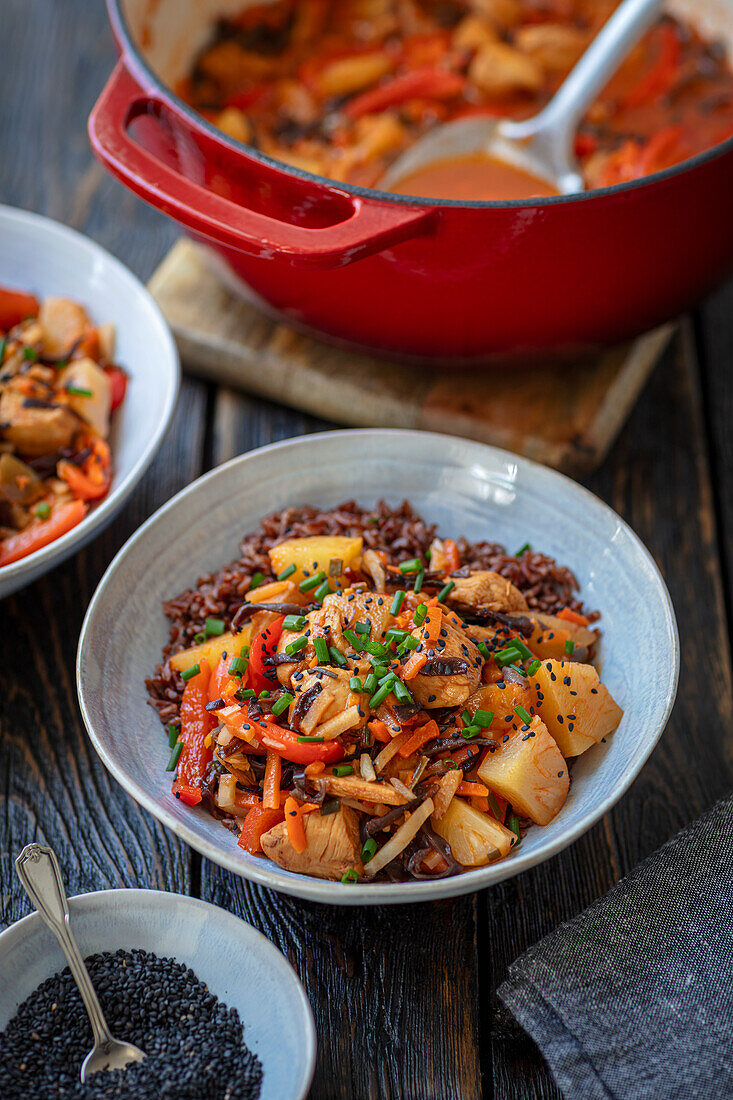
x=467 y=489
x=45 y=259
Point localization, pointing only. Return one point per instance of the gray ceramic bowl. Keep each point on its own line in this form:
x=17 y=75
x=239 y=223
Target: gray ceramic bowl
x=464 y=487
x=43 y=257
x=235 y=961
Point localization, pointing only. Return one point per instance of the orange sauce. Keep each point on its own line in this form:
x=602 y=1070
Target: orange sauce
x=472 y=179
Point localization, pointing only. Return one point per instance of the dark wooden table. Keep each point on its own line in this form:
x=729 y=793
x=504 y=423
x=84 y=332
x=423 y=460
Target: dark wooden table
x=403 y=997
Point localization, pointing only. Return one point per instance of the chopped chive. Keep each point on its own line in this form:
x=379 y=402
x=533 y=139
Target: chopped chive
x=337 y=657
x=349 y=876
x=446 y=591
x=379 y=669
x=414 y=565
x=513 y=824
x=330 y=806
x=282 y=703
x=420 y=612
x=321 y=647
x=388 y=676
x=256 y=581
x=369 y=850
x=237 y=667
x=370 y=684
x=322 y=591
x=521 y=648
x=43 y=511
x=471 y=731
x=484 y=650
x=294 y=622
x=356 y=685
x=516 y=668
x=402 y=693
x=312 y=582
x=380 y=695
x=79 y=391
x=245 y=693
x=483 y=718
x=288 y=572
x=418 y=581
x=296 y=645
x=569 y=646
x=188 y=673
x=173 y=732
x=507 y=656
x=397 y=602
x=199 y=638
x=523 y=715
x=410 y=643
x=376 y=649
x=3 y=345
x=175 y=756
x=494 y=806
x=363 y=628
x=244 y=652
x=343 y=769
x=522 y=550
x=32 y=354
x=214 y=627
x=449 y=763
x=310 y=740
x=467 y=717
x=355 y=640
x=533 y=666
x=396 y=635
x=265 y=694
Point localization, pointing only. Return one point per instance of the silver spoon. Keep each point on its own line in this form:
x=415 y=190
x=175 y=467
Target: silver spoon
x=541 y=145
x=38 y=870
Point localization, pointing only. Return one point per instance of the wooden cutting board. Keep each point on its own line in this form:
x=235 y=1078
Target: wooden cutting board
x=564 y=414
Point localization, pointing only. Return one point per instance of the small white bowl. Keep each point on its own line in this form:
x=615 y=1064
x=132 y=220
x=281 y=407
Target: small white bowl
x=467 y=489
x=235 y=961
x=40 y=256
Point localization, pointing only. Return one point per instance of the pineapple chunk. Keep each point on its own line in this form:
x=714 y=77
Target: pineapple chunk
x=475 y=838
x=529 y=771
x=551 y=634
x=577 y=709
x=311 y=555
x=95 y=400
x=211 y=650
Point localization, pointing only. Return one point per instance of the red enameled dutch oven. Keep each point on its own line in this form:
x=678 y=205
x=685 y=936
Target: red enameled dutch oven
x=440 y=281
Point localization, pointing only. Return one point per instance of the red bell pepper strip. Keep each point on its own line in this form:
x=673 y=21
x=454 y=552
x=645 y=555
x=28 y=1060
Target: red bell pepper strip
x=37 y=535
x=427 y=82
x=660 y=78
x=221 y=680
x=15 y=306
x=196 y=725
x=285 y=743
x=262 y=675
x=258 y=822
x=118 y=382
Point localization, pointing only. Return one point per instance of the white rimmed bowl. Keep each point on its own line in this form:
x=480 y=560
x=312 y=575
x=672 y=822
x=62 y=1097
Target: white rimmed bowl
x=44 y=257
x=466 y=488
x=236 y=962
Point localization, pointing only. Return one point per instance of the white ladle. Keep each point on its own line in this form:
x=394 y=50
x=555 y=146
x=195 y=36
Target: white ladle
x=541 y=145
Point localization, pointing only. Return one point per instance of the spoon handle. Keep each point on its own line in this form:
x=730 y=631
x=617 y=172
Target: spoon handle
x=558 y=120
x=40 y=874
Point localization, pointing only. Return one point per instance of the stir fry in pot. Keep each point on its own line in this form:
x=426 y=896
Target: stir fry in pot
x=361 y=699
x=58 y=389
x=341 y=87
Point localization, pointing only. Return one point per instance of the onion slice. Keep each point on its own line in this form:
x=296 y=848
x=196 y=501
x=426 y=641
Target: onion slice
x=397 y=843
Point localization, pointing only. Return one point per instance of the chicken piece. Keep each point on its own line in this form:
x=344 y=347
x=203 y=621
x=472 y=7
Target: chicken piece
x=93 y=399
x=447 y=690
x=498 y=70
x=555 y=46
x=502 y=14
x=35 y=431
x=488 y=590
x=332 y=845
x=63 y=323
x=332 y=699
x=473 y=32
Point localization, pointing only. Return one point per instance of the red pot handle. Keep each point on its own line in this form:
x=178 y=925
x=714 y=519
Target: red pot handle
x=371 y=227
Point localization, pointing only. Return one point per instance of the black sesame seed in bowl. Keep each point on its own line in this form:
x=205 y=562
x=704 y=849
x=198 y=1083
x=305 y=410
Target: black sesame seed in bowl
x=218 y=1011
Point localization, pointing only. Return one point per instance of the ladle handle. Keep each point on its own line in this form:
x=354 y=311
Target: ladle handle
x=39 y=871
x=560 y=117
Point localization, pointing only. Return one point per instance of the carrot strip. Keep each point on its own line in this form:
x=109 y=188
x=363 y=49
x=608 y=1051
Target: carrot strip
x=380 y=731
x=472 y=790
x=419 y=737
x=453 y=557
x=572 y=617
x=411 y=668
x=271 y=781
x=433 y=625
x=316 y=768
x=294 y=825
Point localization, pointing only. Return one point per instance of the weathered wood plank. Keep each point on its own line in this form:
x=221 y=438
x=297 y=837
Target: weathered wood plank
x=659 y=480
x=394 y=990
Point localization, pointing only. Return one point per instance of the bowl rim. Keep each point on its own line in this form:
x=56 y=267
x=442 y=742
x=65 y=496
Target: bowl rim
x=336 y=893
x=167 y=366
x=134 y=898
x=137 y=64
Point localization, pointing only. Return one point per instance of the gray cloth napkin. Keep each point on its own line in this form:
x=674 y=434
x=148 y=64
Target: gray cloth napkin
x=633 y=999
